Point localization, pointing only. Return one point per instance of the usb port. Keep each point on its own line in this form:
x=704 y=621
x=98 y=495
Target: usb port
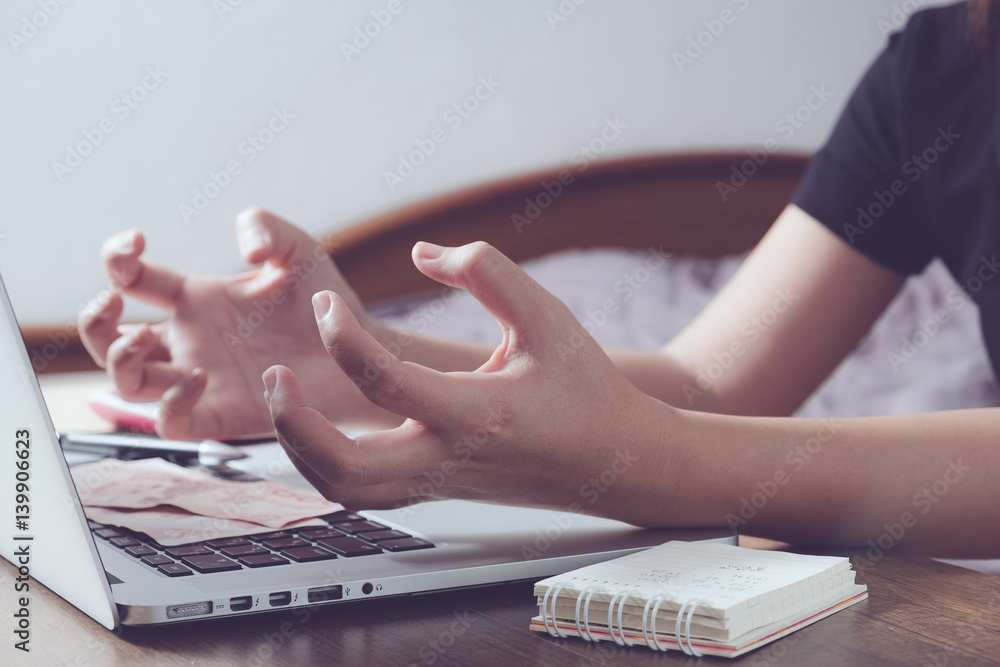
x=324 y=593
x=241 y=603
x=280 y=599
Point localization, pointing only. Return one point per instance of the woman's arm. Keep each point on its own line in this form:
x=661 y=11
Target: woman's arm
x=797 y=306
x=539 y=427
x=925 y=482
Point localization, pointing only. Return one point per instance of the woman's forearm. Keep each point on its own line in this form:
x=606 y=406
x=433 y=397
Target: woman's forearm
x=926 y=482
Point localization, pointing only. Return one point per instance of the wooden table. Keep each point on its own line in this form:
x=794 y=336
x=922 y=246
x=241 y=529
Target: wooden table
x=920 y=612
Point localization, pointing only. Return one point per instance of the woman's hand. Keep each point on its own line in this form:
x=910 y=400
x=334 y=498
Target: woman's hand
x=204 y=362
x=547 y=421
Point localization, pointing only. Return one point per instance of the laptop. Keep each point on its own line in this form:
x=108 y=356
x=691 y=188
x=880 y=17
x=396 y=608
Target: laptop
x=119 y=577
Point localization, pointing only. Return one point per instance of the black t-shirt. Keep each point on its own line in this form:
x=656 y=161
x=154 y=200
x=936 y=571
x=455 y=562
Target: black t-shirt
x=912 y=169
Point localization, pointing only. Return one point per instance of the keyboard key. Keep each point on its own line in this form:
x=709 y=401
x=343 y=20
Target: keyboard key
x=190 y=550
x=125 y=541
x=211 y=563
x=140 y=550
x=349 y=546
x=407 y=544
x=285 y=543
x=244 y=550
x=157 y=559
x=308 y=554
x=360 y=526
x=108 y=533
x=316 y=533
x=384 y=535
x=227 y=542
x=263 y=537
x=263 y=560
x=174 y=570
x=94 y=525
x=341 y=516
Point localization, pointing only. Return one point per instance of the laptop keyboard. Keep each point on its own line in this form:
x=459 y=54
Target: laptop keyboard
x=347 y=535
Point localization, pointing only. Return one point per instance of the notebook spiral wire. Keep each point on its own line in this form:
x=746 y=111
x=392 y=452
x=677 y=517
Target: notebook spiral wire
x=682 y=625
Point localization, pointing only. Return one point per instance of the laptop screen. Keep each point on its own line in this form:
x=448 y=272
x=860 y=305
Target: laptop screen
x=46 y=535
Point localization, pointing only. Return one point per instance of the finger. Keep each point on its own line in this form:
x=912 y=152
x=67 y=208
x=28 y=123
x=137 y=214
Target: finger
x=128 y=273
x=98 y=324
x=403 y=388
x=505 y=290
x=180 y=417
x=381 y=496
x=136 y=376
x=264 y=237
x=341 y=462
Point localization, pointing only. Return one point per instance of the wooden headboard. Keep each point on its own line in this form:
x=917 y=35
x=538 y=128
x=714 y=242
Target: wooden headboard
x=673 y=200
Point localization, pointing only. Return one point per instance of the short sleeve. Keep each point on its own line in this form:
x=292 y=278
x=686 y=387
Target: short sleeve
x=855 y=184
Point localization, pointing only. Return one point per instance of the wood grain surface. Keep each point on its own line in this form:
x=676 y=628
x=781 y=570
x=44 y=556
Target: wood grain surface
x=920 y=612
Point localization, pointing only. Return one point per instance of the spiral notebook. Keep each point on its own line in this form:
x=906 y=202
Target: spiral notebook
x=703 y=599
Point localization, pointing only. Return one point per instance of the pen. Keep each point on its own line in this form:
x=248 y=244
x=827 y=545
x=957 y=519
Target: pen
x=117 y=444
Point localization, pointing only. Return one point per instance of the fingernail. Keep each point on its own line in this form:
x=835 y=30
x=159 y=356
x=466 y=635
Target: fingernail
x=192 y=379
x=256 y=240
x=126 y=243
x=322 y=305
x=270 y=381
x=136 y=340
x=427 y=250
x=98 y=308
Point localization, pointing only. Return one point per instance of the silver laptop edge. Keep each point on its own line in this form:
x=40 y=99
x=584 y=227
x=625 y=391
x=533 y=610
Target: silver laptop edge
x=52 y=543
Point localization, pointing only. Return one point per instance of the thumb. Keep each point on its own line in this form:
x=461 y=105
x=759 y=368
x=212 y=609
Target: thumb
x=503 y=288
x=264 y=237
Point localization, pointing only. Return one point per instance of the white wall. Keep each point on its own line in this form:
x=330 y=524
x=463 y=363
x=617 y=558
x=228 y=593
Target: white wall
x=223 y=74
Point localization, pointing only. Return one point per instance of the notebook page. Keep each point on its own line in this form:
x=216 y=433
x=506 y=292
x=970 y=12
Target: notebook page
x=720 y=629
x=728 y=578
